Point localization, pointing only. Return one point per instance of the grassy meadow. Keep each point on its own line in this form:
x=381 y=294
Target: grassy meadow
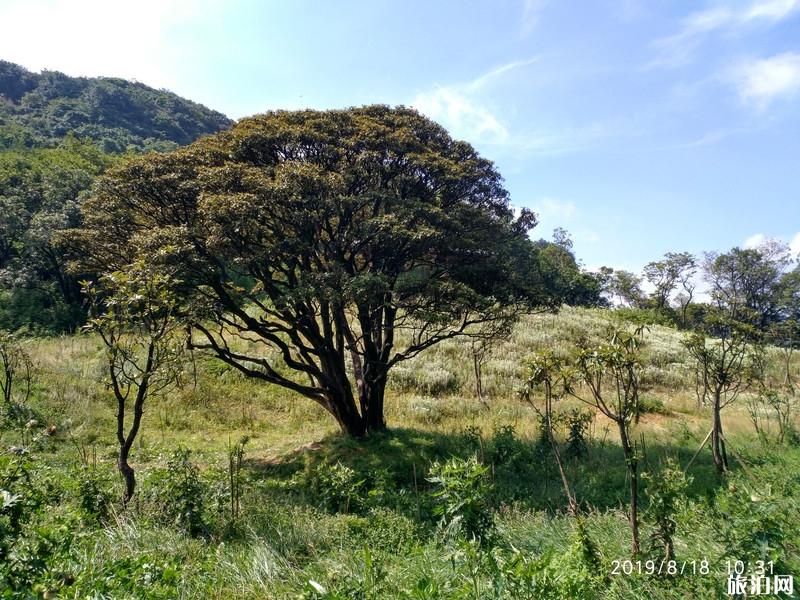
x=246 y=490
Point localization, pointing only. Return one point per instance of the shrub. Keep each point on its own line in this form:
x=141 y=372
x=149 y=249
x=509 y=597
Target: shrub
x=337 y=487
x=577 y=424
x=180 y=493
x=93 y=496
x=504 y=445
x=461 y=497
x=665 y=490
x=652 y=405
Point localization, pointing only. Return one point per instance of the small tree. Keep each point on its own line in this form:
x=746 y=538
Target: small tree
x=15 y=366
x=627 y=288
x=134 y=313
x=721 y=364
x=665 y=491
x=665 y=275
x=546 y=372
x=483 y=339
x=611 y=374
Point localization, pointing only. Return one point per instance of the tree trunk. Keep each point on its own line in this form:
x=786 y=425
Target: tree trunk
x=633 y=473
x=476 y=363
x=573 y=505
x=341 y=404
x=375 y=391
x=787 y=378
x=127 y=472
x=717 y=443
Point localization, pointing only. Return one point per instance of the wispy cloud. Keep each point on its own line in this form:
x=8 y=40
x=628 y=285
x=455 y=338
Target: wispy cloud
x=555 y=210
x=463 y=108
x=759 y=82
x=480 y=82
x=794 y=245
x=462 y=114
x=531 y=11
x=679 y=48
x=759 y=240
x=754 y=241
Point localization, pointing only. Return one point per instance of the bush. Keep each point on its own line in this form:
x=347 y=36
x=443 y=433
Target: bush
x=577 y=423
x=652 y=405
x=665 y=491
x=461 y=497
x=504 y=446
x=337 y=487
x=93 y=496
x=179 y=494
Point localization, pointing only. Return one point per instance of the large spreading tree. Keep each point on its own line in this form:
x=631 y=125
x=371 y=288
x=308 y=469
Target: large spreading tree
x=318 y=249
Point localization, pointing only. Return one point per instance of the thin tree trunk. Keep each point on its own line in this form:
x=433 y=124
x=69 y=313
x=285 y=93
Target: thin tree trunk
x=787 y=378
x=633 y=472
x=573 y=505
x=128 y=474
x=478 y=380
x=717 y=443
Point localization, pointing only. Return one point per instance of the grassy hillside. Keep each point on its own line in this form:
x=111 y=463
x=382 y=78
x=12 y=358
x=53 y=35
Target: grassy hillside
x=319 y=516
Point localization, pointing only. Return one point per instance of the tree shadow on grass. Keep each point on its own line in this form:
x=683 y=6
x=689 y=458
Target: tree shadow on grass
x=394 y=465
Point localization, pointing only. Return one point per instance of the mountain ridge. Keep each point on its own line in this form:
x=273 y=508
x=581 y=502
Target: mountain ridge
x=118 y=115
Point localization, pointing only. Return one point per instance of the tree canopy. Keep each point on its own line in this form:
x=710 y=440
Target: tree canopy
x=318 y=249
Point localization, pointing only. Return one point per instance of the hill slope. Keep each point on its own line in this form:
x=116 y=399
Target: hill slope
x=57 y=134
x=118 y=115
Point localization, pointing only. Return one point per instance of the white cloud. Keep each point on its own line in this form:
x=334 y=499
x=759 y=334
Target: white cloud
x=759 y=240
x=553 y=209
x=479 y=82
x=774 y=10
x=94 y=37
x=794 y=245
x=464 y=116
x=462 y=109
x=679 y=48
x=531 y=10
x=762 y=81
x=754 y=241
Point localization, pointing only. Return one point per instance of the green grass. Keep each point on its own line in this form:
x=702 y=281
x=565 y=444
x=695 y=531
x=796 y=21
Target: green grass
x=359 y=520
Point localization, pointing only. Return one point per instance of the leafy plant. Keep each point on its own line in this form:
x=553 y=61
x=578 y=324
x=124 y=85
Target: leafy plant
x=665 y=490
x=181 y=493
x=337 y=487
x=461 y=494
x=577 y=422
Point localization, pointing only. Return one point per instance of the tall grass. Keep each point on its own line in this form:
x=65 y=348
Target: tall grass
x=294 y=539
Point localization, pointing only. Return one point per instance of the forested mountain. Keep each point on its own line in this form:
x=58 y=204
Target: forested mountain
x=40 y=109
x=57 y=133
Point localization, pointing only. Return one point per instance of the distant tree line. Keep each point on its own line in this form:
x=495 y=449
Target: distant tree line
x=756 y=286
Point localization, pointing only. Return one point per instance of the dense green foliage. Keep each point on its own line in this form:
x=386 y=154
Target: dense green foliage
x=57 y=134
x=117 y=115
x=40 y=194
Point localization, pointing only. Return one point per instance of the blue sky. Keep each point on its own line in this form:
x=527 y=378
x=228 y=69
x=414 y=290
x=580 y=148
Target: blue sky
x=640 y=126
